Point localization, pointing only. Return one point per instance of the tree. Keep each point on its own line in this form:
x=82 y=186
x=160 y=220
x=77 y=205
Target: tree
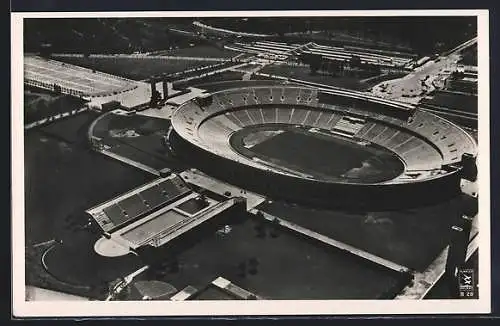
x=46 y=50
x=315 y=62
x=355 y=61
x=242 y=269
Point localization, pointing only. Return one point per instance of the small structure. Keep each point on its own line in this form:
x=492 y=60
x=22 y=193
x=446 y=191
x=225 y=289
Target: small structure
x=110 y=106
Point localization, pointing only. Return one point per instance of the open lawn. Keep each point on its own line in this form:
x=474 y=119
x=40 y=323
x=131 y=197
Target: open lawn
x=200 y=51
x=411 y=237
x=40 y=104
x=219 y=77
x=136 y=68
x=277 y=264
x=303 y=73
x=63 y=177
x=465 y=103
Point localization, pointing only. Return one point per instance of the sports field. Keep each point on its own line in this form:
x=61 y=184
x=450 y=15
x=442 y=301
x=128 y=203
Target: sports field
x=326 y=157
x=136 y=68
x=137 y=137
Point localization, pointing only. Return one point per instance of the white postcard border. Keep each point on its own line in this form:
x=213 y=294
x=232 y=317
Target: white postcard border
x=22 y=308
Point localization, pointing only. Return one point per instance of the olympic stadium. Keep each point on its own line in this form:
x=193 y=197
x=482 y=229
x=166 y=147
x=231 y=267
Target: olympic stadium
x=342 y=147
x=240 y=165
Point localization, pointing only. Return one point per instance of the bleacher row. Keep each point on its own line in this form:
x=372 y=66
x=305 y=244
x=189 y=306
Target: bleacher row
x=138 y=204
x=425 y=142
x=331 y=52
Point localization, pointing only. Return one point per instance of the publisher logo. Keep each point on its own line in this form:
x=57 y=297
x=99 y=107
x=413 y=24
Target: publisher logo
x=466 y=283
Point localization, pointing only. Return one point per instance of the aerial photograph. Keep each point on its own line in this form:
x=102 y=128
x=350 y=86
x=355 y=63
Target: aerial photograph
x=251 y=158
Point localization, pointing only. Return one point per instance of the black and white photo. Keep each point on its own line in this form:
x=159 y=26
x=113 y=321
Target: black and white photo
x=250 y=162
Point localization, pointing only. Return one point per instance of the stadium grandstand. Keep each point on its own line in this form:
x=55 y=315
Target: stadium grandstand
x=153 y=214
x=429 y=148
x=73 y=80
x=342 y=54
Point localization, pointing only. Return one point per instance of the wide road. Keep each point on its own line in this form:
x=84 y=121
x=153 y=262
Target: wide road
x=422 y=80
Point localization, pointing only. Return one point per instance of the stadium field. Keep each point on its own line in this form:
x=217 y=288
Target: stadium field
x=326 y=157
x=412 y=237
x=276 y=264
x=136 y=68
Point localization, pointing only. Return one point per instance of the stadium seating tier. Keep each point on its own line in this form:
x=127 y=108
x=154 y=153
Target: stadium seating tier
x=425 y=142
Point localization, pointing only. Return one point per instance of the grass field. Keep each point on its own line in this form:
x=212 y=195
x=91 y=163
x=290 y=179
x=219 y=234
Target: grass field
x=226 y=84
x=145 y=146
x=328 y=157
x=63 y=177
x=465 y=103
x=469 y=56
x=324 y=157
x=303 y=73
x=200 y=51
x=223 y=76
x=71 y=130
x=40 y=104
x=249 y=67
x=412 y=237
x=136 y=68
x=287 y=266
x=214 y=67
